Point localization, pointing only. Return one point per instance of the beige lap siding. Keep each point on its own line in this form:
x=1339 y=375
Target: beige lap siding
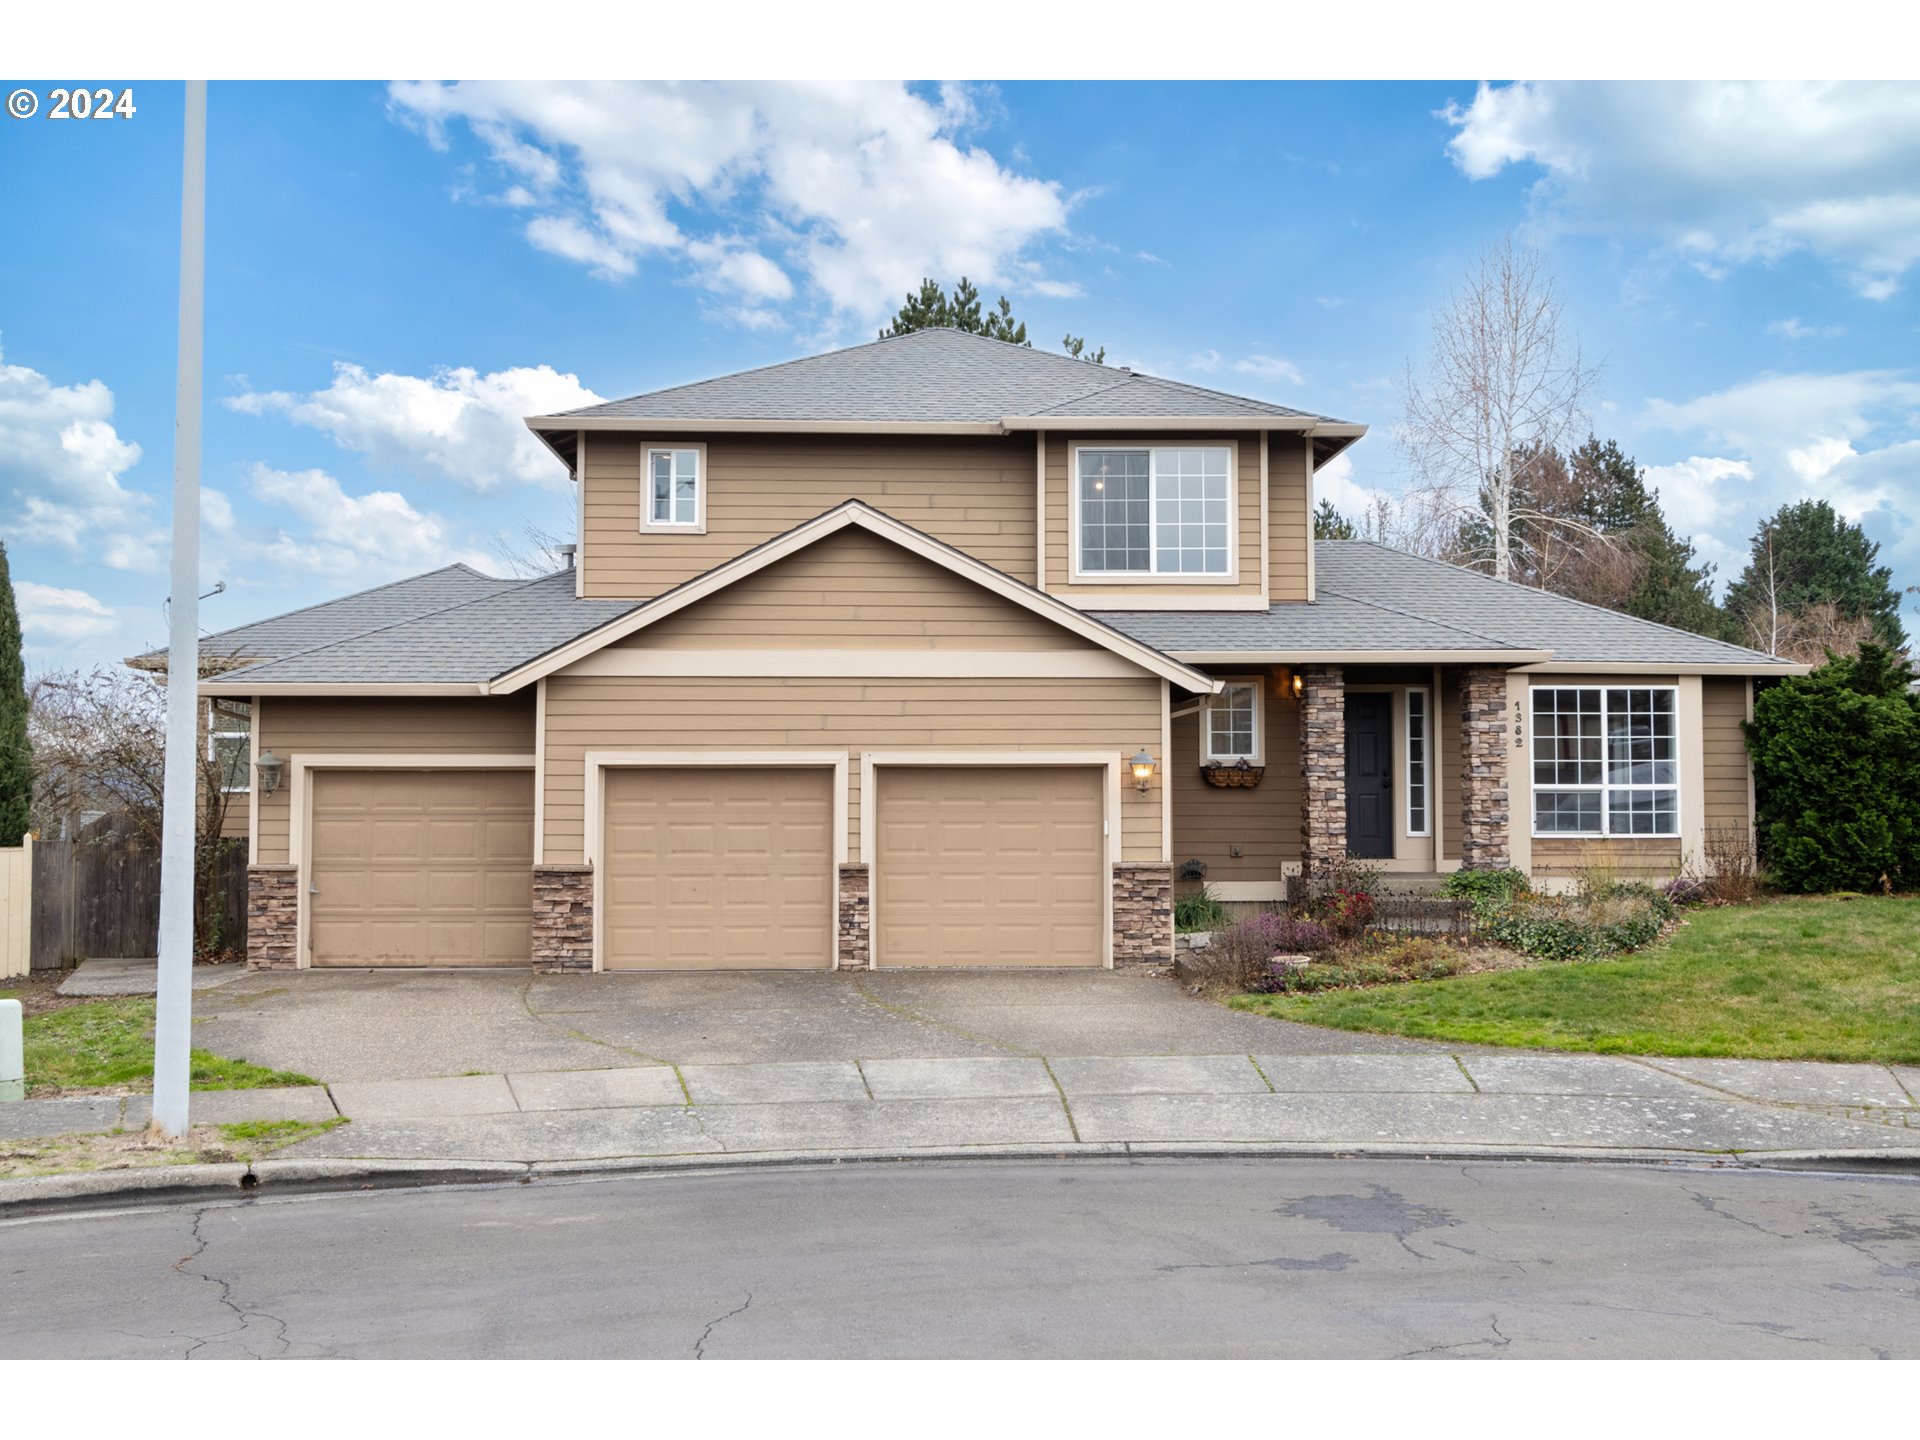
x=1724 y=706
x=854 y=591
x=1289 y=530
x=1059 y=520
x=292 y=728
x=973 y=492
x=616 y=713
x=1264 y=821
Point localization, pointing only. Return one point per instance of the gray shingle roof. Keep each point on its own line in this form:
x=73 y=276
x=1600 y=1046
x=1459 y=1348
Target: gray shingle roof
x=931 y=377
x=467 y=642
x=354 y=614
x=1372 y=598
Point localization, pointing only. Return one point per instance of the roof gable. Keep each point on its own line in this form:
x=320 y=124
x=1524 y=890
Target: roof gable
x=852 y=514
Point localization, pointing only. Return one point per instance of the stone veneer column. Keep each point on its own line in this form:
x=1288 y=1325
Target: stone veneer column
x=1142 y=913
x=562 y=918
x=273 y=917
x=1323 y=767
x=1485 y=815
x=855 y=949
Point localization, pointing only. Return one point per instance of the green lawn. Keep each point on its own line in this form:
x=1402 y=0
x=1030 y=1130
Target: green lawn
x=1803 y=979
x=110 y=1043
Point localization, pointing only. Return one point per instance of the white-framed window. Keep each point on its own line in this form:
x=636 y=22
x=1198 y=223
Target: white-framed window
x=1606 y=760
x=230 y=744
x=1418 y=800
x=674 y=484
x=1231 y=724
x=1154 y=510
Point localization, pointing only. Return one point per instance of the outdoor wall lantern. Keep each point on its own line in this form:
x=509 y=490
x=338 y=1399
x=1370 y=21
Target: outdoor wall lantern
x=1143 y=764
x=1299 y=684
x=268 y=769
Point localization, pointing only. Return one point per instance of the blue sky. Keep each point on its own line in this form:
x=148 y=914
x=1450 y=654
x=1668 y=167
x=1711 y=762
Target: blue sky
x=395 y=274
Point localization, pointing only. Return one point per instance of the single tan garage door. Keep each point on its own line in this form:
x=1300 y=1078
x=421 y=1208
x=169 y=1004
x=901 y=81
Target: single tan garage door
x=422 y=867
x=723 y=869
x=982 y=866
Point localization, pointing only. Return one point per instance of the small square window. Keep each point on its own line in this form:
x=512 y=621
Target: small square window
x=675 y=497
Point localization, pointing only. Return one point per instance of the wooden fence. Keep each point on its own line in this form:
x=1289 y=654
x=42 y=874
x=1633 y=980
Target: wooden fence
x=103 y=900
x=16 y=884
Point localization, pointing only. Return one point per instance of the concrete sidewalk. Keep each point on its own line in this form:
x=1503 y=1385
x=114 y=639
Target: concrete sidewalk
x=1518 y=1101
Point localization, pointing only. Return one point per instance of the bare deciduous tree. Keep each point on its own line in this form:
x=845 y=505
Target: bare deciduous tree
x=531 y=552
x=1504 y=385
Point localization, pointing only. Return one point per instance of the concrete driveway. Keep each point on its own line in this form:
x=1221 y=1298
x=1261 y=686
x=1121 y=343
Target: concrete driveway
x=346 y=1025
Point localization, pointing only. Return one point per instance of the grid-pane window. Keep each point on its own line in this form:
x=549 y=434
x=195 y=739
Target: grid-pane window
x=1115 y=510
x=230 y=744
x=1605 y=761
x=1160 y=511
x=1416 y=762
x=1233 y=723
x=673 y=487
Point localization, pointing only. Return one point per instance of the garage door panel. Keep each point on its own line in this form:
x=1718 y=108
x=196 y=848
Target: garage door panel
x=422 y=867
x=985 y=866
x=728 y=868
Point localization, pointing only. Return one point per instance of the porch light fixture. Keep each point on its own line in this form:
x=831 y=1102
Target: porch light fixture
x=268 y=769
x=1299 y=684
x=1143 y=766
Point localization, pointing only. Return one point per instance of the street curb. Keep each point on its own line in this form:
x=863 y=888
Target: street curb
x=176 y=1184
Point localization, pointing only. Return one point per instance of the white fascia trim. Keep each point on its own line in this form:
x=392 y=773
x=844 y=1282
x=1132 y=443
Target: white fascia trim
x=1150 y=423
x=1637 y=667
x=673 y=425
x=321 y=692
x=1067 y=616
x=851 y=663
x=1516 y=658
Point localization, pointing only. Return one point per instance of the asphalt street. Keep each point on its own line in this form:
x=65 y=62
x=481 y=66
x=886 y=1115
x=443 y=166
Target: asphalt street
x=1174 y=1258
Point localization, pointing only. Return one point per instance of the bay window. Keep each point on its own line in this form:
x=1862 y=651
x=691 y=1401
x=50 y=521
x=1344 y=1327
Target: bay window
x=1605 y=760
x=1154 y=510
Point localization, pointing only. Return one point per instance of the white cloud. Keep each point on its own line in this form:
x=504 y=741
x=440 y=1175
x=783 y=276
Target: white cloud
x=862 y=188
x=365 y=538
x=1334 y=481
x=1792 y=328
x=1206 y=362
x=1270 y=367
x=1773 y=412
x=62 y=462
x=1696 y=492
x=464 y=424
x=1724 y=173
x=48 y=612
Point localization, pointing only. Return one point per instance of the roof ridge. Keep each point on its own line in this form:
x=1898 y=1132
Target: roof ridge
x=393 y=624
x=1566 y=599
x=1226 y=395
x=322 y=604
x=1423 y=619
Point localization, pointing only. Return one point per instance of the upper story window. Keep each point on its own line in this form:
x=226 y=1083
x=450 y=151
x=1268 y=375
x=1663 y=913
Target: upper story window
x=1605 y=760
x=1231 y=728
x=1155 y=510
x=676 y=490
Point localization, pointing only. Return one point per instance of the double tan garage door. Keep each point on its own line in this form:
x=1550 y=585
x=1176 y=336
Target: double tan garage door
x=421 y=867
x=733 y=867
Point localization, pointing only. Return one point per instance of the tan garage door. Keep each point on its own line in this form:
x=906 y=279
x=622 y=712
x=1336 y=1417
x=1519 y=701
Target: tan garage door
x=723 y=869
x=421 y=867
x=982 y=866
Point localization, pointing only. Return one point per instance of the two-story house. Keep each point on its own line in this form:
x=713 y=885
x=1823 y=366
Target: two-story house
x=939 y=651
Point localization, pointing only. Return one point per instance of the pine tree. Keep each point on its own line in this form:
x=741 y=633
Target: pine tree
x=931 y=308
x=1330 y=524
x=16 y=759
x=1806 y=557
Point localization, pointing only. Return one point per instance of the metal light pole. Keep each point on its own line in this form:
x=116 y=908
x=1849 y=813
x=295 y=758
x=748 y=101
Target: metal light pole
x=173 y=1006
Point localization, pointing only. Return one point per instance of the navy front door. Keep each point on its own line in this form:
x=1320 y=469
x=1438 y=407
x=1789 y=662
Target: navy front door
x=1370 y=776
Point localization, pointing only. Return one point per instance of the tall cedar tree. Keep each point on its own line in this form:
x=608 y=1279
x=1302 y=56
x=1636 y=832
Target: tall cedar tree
x=1330 y=524
x=16 y=759
x=931 y=308
x=1816 y=559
